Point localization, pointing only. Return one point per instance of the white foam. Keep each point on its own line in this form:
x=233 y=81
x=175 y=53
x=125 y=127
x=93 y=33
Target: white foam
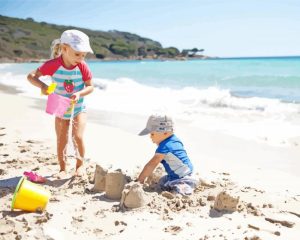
x=5 y=65
x=259 y=119
x=211 y=109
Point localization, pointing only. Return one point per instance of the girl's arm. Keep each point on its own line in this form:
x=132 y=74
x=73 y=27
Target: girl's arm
x=87 y=90
x=33 y=78
x=150 y=166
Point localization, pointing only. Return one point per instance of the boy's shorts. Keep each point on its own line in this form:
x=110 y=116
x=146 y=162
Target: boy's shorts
x=184 y=185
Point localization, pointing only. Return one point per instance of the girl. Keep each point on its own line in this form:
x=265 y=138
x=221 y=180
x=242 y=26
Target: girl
x=74 y=80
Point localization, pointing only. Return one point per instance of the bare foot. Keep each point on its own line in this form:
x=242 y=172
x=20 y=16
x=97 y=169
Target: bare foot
x=79 y=172
x=61 y=175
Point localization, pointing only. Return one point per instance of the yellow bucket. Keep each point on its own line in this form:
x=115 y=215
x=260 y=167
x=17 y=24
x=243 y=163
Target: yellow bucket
x=30 y=197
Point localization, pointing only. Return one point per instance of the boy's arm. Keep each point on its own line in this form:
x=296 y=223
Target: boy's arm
x=150 y=166
x=33 y=78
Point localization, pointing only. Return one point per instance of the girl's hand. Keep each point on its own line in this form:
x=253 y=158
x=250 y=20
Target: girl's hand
x=75 y=97
x=44 y=89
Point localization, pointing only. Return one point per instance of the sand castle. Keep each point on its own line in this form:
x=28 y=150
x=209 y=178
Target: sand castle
x=115 y=186
x=112 y=183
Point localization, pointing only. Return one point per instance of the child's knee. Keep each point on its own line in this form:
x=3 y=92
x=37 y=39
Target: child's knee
x=77 y=138
x=162 y=181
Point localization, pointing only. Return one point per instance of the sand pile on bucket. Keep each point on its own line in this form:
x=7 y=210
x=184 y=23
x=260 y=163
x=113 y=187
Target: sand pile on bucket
x=114 y=184
x=99 y=179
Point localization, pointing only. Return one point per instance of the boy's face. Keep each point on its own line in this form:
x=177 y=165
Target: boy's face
x=157 y=137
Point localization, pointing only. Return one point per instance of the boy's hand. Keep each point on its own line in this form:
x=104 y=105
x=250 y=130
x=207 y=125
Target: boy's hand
x=140 y=180
x=150 y=166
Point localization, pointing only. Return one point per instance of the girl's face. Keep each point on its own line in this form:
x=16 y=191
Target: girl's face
x=72 y=57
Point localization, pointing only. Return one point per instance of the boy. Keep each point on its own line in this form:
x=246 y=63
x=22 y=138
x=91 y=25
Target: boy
x=171 y=154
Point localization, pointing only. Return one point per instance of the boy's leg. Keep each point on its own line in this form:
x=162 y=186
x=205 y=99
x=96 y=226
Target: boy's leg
x=78 y=125
x=162 y=181
x=61 y=129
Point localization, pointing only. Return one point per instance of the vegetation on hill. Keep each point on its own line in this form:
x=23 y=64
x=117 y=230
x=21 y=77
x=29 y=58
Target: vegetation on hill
x=26 y=39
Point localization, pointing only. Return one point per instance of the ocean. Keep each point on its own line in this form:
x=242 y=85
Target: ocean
x=252 y=98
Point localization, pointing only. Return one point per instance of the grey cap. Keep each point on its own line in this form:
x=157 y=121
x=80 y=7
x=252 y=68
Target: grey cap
x=158 y=123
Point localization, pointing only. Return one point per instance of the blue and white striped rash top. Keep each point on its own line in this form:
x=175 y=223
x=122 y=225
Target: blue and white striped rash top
x=68 y=80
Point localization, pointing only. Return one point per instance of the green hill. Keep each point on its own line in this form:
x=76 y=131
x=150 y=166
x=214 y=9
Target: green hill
x=26 y=39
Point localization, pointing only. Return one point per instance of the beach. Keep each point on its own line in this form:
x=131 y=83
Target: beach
x=80 y=85
x=262 y=176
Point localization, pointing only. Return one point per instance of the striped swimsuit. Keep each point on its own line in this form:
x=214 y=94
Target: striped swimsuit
x=68 y=80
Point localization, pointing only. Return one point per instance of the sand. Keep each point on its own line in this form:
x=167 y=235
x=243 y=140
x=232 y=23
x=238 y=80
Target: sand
x=261 y=184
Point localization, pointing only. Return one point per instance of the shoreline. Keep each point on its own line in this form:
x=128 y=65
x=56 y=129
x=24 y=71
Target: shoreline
x=111 y=59
x=179 y=58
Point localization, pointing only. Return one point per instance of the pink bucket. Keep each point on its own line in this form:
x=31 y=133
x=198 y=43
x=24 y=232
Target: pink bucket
x=57 y=105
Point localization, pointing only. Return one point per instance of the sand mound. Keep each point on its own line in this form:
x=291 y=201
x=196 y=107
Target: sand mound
x=133 y=196
x=224 y=201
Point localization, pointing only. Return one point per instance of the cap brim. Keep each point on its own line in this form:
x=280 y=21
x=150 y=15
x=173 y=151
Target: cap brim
x=86 y=49
x=82 y=48
x=90 y=50
x=144 y=132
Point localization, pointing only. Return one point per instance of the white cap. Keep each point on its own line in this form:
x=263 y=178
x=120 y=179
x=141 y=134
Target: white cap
x=78 y=40
x=158 y=123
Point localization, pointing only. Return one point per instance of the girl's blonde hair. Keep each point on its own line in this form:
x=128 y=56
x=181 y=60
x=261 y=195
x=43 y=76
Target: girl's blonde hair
x=55 y=49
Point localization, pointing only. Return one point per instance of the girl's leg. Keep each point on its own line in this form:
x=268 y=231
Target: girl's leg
x=79 y=124
x=61 y=128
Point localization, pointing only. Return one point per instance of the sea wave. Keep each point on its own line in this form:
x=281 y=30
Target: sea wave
x=5 y=65
x=210 y=108
x=127 y=95
x=127 y=92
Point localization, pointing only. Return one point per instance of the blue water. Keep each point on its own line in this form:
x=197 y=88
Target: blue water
x=271 y=78
x=275 y=78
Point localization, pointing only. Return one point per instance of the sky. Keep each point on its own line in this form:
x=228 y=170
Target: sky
x=224 y=28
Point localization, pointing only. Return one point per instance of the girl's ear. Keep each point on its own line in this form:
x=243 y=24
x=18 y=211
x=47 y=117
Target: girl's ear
x=64 y=47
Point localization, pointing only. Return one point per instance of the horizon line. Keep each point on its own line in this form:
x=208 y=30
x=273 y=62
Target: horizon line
x=280 y=56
